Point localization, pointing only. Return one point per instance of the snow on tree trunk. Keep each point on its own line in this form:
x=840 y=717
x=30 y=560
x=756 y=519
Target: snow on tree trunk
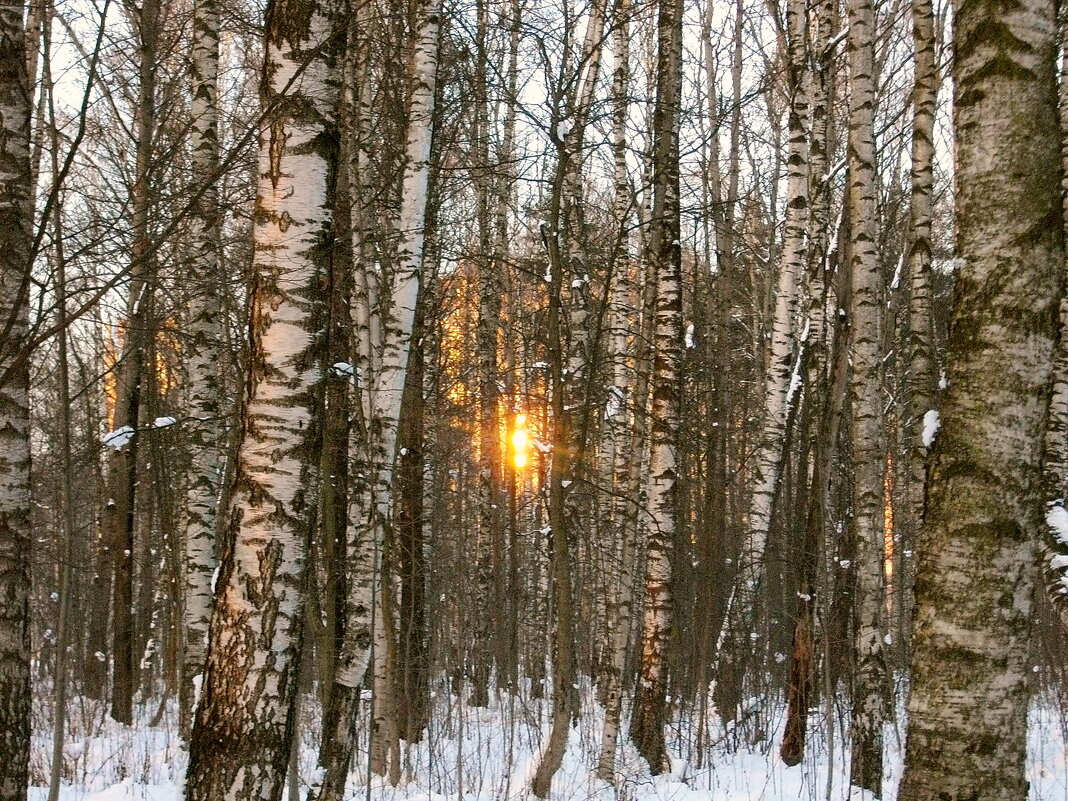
x=866 y=401
x=243 y=730
x=975 y=576
x=665 y=256
x=205 y=426
x=16 y=236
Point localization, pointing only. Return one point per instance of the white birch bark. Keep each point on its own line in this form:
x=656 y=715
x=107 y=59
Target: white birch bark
x=16 y=221
x=243 y=731
x=1056 y=449
x=620 y=412
x=665 y=254
x=205 y=426
x=781 y=349
x=866 y=398
x=967 y=728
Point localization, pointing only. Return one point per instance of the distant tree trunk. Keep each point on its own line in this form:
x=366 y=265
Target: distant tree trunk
x=490 y=499
x=205 y=411
x=241 y=738
x=922 y=385
x=122 y=463
x=68 y=522
x=16 y=236
x=866 y=402
x=621 y=411
x=562 y=636
x=967 y=729
x=665 y=256
x=412 y=664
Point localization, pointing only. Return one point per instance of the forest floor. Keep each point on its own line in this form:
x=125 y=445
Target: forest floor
x=482 y=754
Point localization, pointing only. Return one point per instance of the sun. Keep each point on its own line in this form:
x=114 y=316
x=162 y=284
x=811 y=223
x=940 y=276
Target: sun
x=520 y=442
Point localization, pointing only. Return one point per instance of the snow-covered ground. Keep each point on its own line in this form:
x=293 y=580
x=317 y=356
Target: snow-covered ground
x=482 y=754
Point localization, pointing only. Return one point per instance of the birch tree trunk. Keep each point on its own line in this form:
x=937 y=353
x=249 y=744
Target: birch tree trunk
x=866 y=401
x=240 y=743
x=382 y=365
x=665 y=256
x=1056 y=449
x=975 y=577
x=16 y=236
x=490 y=499
x=769 y=456
x=922 y=385
x=205 y=424
x=621 y=415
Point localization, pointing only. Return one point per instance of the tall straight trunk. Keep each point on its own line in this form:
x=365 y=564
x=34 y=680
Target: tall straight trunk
x=412 y=664
x=1056 y=449
x=205 y=427
x=866 y=401
x=665 y=257
x=16 y=236
x=967 y=729
x=67 y=521
x=826 y=387
x=122 y=462
x=621 y=410
x=562 y=636
x=241 y=738
x=383 y=370
x=922 y=384
x=505 y=191
x=490 y=499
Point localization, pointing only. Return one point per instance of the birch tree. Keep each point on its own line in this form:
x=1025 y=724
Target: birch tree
x=202 y=347
x=866 y=401
x=16 y=237
x=665 y=256
x=967 y=728
x=243 y=730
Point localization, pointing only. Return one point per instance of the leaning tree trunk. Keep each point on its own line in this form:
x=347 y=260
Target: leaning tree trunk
x=202 y=347
x=869 y=679
x=241 y=739
x=16 y=222
x=665 y=256
x=967 y=729
x=777 y=397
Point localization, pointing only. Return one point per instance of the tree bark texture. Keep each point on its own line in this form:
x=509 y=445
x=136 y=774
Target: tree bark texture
x=665 y=256
x=243 y=730
x=205 y=423
x=975 y=576
x=16 y=222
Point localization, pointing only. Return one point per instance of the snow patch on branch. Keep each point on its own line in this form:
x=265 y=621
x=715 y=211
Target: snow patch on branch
x=118 y=438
